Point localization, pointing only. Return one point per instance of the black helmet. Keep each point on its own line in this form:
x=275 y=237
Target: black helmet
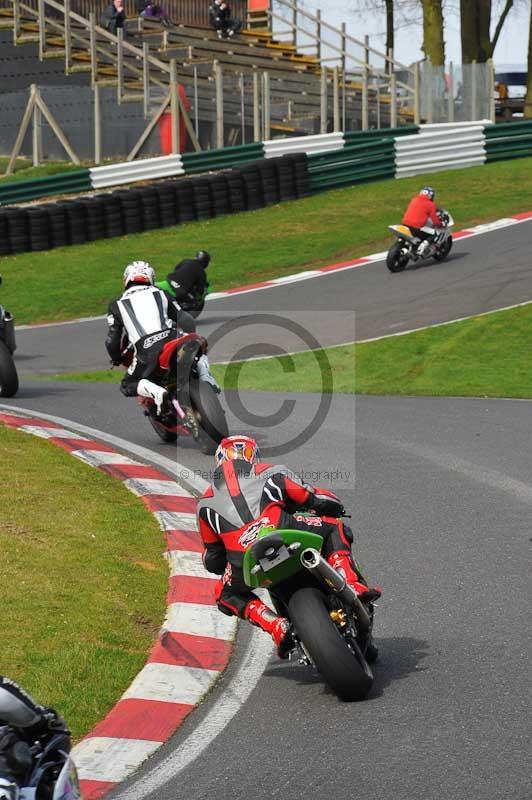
x=203 y=257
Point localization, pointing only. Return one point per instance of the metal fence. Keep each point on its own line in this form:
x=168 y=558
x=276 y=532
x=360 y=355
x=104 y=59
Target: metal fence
x=457 y=93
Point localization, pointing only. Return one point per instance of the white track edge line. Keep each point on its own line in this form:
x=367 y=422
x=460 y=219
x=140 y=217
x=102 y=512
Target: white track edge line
x=486 y=227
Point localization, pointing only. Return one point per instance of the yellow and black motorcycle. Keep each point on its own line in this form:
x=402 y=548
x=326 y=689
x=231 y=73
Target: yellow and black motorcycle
x=410 y=247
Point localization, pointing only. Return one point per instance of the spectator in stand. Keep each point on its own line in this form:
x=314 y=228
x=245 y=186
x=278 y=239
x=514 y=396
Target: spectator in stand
x=151 y=10
x=113 y=17
x=222 y=21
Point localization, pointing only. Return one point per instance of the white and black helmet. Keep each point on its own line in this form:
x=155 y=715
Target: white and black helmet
x=429 y=192
x=139 y=272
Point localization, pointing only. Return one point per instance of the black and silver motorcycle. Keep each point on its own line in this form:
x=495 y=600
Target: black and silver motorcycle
x=8 y=371
x=43 y=770
x=408 y=247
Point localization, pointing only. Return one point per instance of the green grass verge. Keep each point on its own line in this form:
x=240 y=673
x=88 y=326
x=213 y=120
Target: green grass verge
x=82 y=580
x=487 y=356
x=327 y=228
x=24 y=170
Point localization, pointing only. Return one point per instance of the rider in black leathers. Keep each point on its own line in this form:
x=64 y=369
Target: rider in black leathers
x=22 y=722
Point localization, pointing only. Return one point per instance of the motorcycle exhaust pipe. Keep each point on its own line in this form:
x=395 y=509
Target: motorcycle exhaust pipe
x=328 y=576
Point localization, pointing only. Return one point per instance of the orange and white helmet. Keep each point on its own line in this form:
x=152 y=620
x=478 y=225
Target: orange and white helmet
x=237 y=448
x=139 y=272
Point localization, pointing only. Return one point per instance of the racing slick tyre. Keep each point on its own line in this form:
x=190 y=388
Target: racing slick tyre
x=210 y=415
x=344 y=668
x=396 y=261
x=442 y=252
x=162 y=432
x=8 y=373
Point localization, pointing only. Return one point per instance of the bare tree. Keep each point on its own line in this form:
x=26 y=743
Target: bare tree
x=433 y=41
x=528 y=98
x=476 y=20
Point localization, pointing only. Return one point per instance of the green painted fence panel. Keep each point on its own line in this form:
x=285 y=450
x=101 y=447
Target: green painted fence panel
x=382 y=133
x=223 y=158
x=33 y=188
x=508 y=129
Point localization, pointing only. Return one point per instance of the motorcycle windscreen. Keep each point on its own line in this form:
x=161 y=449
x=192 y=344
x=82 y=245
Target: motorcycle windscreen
x=67 y=785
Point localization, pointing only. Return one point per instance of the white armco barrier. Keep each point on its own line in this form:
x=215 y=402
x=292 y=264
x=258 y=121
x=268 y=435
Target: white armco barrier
x=440 y=147
x=130 y=171
x=311 y=145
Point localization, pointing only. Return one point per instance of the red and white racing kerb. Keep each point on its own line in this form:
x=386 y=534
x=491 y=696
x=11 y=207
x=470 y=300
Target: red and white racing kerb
x=195 y=641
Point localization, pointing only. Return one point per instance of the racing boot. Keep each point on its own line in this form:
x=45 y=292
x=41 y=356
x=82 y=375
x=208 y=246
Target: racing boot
x=8 y=789
x=156 y=393
x=342 y=561
x=424 y=248
x=204 y=373
x=279 y=628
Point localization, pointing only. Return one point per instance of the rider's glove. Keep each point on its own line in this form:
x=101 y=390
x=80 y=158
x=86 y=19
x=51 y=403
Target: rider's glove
x=325 y=506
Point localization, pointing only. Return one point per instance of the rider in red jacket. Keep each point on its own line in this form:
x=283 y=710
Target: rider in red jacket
x=247 y=496
x=422 y=210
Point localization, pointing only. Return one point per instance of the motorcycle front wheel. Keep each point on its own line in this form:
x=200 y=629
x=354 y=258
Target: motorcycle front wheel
x=210 y=415
x=396 y=260
x=443 y=251
x=8 y=373
x=344 y=669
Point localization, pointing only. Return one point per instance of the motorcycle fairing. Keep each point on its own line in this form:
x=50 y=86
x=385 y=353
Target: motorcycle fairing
x=403 y=232
x=189 y=344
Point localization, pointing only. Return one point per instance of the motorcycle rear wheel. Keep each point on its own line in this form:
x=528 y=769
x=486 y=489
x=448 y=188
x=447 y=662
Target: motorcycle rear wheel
x=210 y=415
x=162 y=432
x=442 y=253
x=8 y=373
x=346 y=672
x=396 y=261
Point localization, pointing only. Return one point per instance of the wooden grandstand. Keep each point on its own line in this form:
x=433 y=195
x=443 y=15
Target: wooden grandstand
x=257 y=85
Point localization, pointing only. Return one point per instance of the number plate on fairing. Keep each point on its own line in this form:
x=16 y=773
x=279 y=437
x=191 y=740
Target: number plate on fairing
x=269 y=563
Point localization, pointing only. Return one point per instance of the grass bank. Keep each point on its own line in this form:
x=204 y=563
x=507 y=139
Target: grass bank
x=24 y=170
x=82 y=579
x=486 y=356
x=330 y=227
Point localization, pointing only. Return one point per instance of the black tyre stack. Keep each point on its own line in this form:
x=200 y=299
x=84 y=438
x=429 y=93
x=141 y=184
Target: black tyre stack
x=39 y=227
x=269 y=181
x=286 y=174
x=201 y=188
x=76 y=222
x=221 y=200
x=131 y=210
x=149 y=202
x=301 y=174
x=168 y=211
x=57 y=220
x=113 y=218
x=237 y=190
x=252 y=187
x=95 y=213
x=162 y=205
x=186 y=209
x=18 y=229
x=5 y=245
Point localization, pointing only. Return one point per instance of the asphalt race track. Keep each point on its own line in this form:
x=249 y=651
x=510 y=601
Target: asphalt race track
x=441 y=495
x=483 y=273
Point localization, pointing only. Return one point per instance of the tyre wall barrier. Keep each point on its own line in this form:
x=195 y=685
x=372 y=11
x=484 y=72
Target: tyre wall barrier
x=508 y=140
x=171 y=202
x=440 y=147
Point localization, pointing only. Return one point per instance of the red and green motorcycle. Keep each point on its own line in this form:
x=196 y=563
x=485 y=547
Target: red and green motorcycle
x=331 y=627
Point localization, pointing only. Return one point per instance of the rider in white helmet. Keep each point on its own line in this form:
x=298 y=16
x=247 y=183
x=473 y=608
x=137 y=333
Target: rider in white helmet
x=133 y=319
